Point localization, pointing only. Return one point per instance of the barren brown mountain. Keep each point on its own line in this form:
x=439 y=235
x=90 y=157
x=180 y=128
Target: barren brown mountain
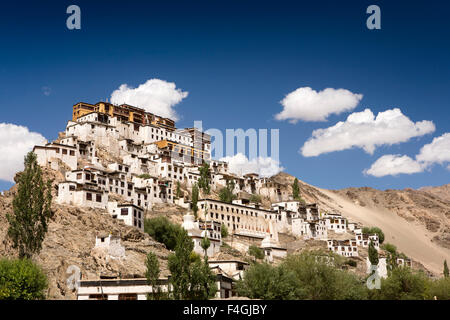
x=416 y=221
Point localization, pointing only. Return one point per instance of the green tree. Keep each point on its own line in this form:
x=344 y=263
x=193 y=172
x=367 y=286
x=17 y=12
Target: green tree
x=204 y=182
x=374 y=230
x=256 y=252
x=152 y=275
x=179 y=266
x=263 y=281
x=391 y=255
x=194 y=200
x=440 y=289
x=191 y=278
x=295 y=190
x=255 y=198
x=226 y=194
x=162 y=230
x=223 y=231
x=178 y=191
x=320 y=276
x=203 y=281
x=205 y=243
x=31 y=209
x=402 y=284
x=373 y=254
x=446 y=272
x=21 y=280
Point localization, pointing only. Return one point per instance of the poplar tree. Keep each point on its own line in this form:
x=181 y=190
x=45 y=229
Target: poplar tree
x=179 y=266
x=295 y=190
x=152 y=275
x=205 y=178
x=178 y=191
x=31 y=209
x=205 y=243
x=446 y=272
x=190 y=279
x=373 y=254
x=194 y=200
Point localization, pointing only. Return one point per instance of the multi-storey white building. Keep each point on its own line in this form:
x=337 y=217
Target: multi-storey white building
x=198 y=230
x=130 y=214
x=346 y=248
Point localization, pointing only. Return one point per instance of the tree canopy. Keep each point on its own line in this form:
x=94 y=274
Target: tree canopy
x=21 y=279
x=31 y=209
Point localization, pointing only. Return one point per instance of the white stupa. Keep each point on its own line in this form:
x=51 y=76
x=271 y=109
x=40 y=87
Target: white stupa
x=271 y=240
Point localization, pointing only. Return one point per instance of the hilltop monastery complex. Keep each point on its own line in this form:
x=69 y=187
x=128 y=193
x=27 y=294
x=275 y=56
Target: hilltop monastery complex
x=123 y=160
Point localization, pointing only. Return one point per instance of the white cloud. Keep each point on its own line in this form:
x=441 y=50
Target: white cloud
x=155 y=96
x=438 y=151
x=15 y=142
x=363 y=130
x=264 y=166
x=392 y=164
x=309 y=105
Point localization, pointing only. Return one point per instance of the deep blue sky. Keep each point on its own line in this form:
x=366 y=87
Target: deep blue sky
x=237 y=60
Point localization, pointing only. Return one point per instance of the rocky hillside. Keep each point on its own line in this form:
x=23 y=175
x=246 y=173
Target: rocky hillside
x=416 y=221
x=424 y=208
x=71 y=239
x=442 y=192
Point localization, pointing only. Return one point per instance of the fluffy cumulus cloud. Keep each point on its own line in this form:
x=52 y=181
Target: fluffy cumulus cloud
x=364 y=130
x=264 y=166
x=155 y=96
x=436 y=152
x=391 y=164
x=15 y=142
x=309 y=105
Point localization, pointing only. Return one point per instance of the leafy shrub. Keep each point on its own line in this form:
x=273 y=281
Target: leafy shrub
x=320 y=277
x=403 y=284
x=263 y=281
x=224 y=231
x=374 y=230
x=351 y=263
x=307 y=275
x=162 y=230
x=258 y=253
x=440 y=289
x=256 y=198
x=21 y=280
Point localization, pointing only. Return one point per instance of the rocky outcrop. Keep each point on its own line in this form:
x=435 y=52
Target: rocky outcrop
x=71 y=239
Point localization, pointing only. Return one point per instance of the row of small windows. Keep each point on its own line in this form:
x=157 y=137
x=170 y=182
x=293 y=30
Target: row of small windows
x=232 y=210
x=222 y=217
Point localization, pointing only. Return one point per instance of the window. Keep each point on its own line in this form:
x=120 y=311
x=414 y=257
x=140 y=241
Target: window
x=64 y=151
x=79 y=176
x=127 y=296
x=89 y=196
x=98 y=197
x=98 y=297
x=124 y=211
